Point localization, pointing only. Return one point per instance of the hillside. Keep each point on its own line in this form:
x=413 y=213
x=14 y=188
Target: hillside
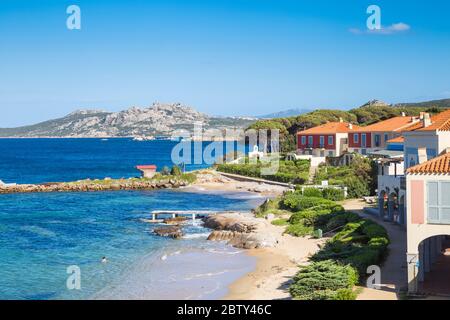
x=371 y=112
x=159 y=119
x=284 y=114
x=443 y=103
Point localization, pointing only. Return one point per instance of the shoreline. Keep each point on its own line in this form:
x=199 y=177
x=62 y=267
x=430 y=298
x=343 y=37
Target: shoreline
x=275 y=266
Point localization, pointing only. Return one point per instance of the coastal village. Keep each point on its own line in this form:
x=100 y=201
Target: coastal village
x=327 y=226
x=413 y=158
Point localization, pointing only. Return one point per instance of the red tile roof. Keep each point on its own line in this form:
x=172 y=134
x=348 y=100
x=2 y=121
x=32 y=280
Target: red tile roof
x=440 y=121
x=331 y=128
x=438 y=165
x=146 y=167
x=392 y=124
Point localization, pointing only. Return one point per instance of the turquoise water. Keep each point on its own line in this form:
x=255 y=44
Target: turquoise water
x=54 y=160
x=41 y=235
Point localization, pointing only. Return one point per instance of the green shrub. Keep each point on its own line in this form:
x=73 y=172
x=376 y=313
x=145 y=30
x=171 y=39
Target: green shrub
x=333 y=194
x=312 y=192
x=360 y=243
x=294 y=201
x=176 y=171
x=296 y=172
x=345 y=294
x=339 y=220
x=308 y=217
x=299 y=230
x=165 y=171
x=323 y=280
x=356 y=187
x=280 y=222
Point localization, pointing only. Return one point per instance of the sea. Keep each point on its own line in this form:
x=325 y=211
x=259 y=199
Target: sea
x=97 y=245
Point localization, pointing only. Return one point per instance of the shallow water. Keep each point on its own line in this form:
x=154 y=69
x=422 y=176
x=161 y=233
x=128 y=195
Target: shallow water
x=42 y=234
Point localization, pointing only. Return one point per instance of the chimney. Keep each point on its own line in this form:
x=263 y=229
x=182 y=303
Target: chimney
x=350 y=126
x=445 y=151
x=426 y=120
x=403 y=114
x=422 y=152
x=341 y=120
x=421 y=115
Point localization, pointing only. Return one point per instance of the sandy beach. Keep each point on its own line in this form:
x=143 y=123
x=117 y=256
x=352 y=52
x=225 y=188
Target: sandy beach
x=276 y=265
x=275 y=268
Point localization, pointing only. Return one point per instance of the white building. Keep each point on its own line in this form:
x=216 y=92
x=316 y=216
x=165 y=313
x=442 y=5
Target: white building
x=428 y=225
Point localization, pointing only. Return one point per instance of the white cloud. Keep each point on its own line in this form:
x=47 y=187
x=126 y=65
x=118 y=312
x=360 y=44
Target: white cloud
x=399 y=27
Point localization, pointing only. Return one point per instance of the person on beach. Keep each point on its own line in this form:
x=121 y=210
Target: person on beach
x=104 y=260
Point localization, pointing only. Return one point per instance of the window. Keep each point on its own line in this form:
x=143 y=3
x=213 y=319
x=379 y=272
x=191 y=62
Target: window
x=330 y=153
x=355 y=138
x=303 y=140
x=322 y=141
x=438 y=204
x=386 y=137
x=330 y=140
x=310 y=141
x=377 y=140
x=363 y=140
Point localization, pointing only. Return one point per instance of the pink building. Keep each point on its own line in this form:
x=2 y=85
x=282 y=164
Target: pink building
x=147 y=171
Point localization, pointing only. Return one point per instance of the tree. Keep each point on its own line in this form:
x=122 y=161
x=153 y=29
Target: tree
x=165 y=171
x=176 y=171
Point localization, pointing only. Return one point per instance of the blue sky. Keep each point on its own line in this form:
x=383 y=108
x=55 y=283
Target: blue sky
x=224 y=57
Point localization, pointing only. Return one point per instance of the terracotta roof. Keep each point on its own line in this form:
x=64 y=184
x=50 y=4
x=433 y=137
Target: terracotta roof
x=392 y=124
x=437 y=165
x=330 y=128
x=400 y=139
x=146 y=167
x=440 y=121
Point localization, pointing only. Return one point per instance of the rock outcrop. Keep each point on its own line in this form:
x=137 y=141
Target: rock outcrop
x=173 y=232
x=240 y=230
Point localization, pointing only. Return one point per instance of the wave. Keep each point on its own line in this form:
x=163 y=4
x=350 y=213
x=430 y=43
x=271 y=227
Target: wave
x=39 y=231
x=197 y=235
x=224 y=251
x=204 y=275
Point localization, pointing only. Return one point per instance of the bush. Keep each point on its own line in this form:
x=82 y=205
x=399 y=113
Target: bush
x=299 y=230
x=296 y=172
x=361 y=243
x=280 y=222
x=295 y=201
x=324 y=280
x=176 y=171
x=345 y=294
x=165 y=171
x=356 y=188
x=308 y=217
x=339 y=220
x=333 y=194
x=312 y=192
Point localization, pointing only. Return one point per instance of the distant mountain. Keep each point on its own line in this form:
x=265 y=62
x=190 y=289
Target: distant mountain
x=284 y=114
x=159 y=119
x=375 y=103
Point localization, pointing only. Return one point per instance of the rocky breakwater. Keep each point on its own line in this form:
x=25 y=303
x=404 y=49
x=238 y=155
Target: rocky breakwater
x=241 y=230
x=96 y=185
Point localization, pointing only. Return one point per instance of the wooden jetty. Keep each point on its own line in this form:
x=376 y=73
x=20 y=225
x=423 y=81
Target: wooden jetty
x=181 y=213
